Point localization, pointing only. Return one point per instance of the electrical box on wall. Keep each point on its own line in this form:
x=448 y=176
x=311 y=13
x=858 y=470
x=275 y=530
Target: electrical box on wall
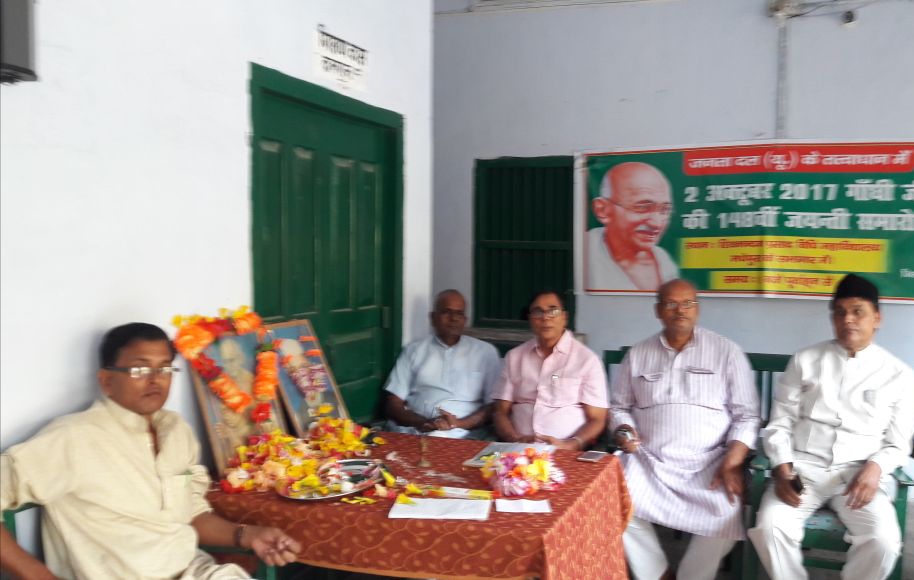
x=17 y=41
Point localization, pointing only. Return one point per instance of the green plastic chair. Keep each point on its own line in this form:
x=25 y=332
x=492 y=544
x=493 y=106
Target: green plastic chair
x=824 y=531
x=611 y=358
x=264 y=571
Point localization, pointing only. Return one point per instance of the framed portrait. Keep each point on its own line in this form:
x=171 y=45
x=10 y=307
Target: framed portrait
x=226 y=428
x=305 y=378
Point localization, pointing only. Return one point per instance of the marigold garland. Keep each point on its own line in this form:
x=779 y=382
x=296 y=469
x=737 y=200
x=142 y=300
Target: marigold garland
x=196 y=333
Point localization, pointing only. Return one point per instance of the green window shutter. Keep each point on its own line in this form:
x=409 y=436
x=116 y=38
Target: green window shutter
x=523 y=235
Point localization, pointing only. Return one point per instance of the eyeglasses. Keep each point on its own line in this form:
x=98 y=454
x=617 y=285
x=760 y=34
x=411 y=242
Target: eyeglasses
x=451 y=313
x=685 y=305
x=539 y=313
x=647 y=208
x=140 y=372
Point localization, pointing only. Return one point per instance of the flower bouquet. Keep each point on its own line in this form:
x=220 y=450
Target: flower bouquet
x=518 y=474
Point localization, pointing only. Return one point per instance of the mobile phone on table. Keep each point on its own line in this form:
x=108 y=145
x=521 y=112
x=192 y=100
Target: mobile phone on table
x=592 y=456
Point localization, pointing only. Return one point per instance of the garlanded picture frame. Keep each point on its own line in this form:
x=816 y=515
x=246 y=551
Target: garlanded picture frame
x=226 y=428
x=305 y=379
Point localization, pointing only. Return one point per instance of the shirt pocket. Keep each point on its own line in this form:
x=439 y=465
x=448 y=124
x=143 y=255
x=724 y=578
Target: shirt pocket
x=704 y=388
x=176 y=494
x=470 y=386
x=561 y=392
x=648 y=389
x=876 y=405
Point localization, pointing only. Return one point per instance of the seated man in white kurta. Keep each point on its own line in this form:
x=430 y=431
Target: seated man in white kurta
x=841 y=422
x=122 y=492
x=686 y=412
x=442 y=384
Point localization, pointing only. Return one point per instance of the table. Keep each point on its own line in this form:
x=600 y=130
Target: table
x=581 y=538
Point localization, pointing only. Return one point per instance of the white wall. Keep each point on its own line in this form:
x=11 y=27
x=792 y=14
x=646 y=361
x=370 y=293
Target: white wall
x=125 y=182
x=558 y=80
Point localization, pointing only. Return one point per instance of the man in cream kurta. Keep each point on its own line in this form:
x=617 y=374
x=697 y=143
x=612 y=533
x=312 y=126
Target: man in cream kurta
x=113 y=509
x=841 y=422
x=121 y=490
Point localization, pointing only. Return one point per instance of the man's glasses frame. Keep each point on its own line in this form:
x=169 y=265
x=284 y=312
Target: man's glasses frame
x=646 y=208
x=451 y=313
x=685 y=305
x=538 y=314
x=141 y=372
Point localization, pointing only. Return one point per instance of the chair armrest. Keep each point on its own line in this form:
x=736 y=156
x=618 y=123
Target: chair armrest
x=759 y=463
x=9 y=517
x=902 y=478
x=226 y=550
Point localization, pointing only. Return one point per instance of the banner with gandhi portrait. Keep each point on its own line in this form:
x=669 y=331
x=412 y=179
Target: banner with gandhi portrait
x=783 y=219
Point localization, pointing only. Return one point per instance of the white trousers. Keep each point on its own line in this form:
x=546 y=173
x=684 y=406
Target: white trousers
x=648 y=561
x=872 y=531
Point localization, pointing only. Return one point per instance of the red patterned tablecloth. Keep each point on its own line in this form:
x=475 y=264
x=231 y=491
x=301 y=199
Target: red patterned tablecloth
x=581 y=538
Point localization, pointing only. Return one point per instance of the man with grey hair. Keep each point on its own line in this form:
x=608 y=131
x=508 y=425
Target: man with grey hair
x=634 y=207
x=442 y=384
x=686 y=412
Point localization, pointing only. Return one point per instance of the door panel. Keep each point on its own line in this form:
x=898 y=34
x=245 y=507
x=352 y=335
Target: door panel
x=325 y=207
x=300 y=225
x=340 y=260
x=268 y=230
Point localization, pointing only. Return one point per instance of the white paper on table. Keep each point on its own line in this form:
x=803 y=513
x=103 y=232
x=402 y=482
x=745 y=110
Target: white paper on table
x=523 y=506
x=442 y=509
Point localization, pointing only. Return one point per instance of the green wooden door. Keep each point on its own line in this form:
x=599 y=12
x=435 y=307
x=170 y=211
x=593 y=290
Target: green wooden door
x=327 y=191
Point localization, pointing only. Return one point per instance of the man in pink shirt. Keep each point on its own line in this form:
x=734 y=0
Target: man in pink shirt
x=552 y=388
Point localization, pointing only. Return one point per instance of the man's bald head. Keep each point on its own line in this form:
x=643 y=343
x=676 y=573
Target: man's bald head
x=667 y=287
x=677 y=308
x=449 y=316
x=624 y=180
x=635 y=205
x=442 y=296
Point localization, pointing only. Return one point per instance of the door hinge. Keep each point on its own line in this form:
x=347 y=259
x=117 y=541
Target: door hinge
x=386 y=315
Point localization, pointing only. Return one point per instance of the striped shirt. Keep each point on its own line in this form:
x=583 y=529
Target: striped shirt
x=686 y=406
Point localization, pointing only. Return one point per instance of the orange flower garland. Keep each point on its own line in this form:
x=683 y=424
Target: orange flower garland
x=266 y=379
x=196 y=333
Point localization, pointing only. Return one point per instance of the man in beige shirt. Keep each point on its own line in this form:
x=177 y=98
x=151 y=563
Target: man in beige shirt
x=122 y=492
